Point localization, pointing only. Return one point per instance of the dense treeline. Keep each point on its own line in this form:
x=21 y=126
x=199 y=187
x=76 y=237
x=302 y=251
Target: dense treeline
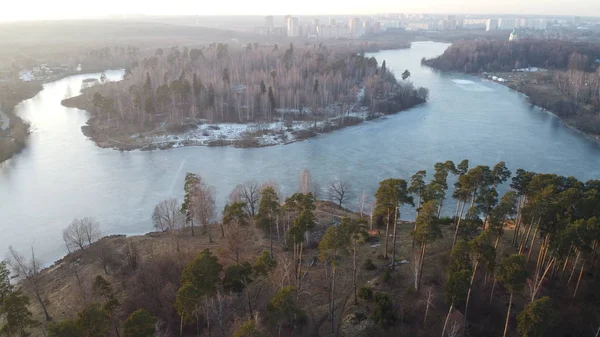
x=220 y=83
x=534 y=247
x=478 y=56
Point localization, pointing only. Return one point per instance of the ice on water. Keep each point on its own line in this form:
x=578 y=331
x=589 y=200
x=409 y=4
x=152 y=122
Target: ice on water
x=468 y=85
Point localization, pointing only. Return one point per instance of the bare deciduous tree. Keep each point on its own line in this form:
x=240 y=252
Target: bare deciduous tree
x=221 y=307
x=249 y=193
x=416 y=267
x=237 y=247
x=73 y=236
x=282 y=275
x=91 y=229
x=167 y=217
x=28 y=272
x=339 y=192
x=131 y=255
x=107 y=257
x=161 y=329
x=429 y=298
x=204 y=203
x=363 y=199
x=305 y=184
x=80 y=232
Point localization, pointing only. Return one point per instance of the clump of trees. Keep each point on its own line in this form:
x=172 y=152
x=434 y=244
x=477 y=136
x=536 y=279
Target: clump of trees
x=515 y=253
x=81 y=232
x=254 y=83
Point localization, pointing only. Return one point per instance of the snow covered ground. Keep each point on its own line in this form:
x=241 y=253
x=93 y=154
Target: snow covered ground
x=266 y=134
x=259 y=134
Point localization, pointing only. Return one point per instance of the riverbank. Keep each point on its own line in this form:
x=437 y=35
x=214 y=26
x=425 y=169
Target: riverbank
x=13 y=130
x=241 y=135
x=539 y=91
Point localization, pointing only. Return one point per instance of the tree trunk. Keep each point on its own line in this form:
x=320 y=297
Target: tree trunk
x=210 y=240
x=387 y=231
x=300 y=265
x=192 y=226
x=469 y=295
x=447 y=317
x=222 y=230
x=421 y=265
x=38 y=296
x=526 y=238
x=574 y=266
x=538 y=283
x=492 y=292
x=537 y=227
x=508 y=314
x=207 y=318
x=564 y=268
x=333 y=299
x=458 y=223
x=518 y=220
x=426 y=312
x=578 y=281
x=595 y=247
x=271 y=239
x=249 y=303
x=394 y=240
x=354 y=274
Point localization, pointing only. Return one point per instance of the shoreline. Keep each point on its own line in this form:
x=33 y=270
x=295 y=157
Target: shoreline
x=239 y=135
x=14 y=138
x=563 y=121
x=282 y=137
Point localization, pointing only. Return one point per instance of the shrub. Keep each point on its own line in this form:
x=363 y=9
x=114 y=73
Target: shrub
x=387 y=275
x=369 y=265
x=384 y=310
x=365 y=293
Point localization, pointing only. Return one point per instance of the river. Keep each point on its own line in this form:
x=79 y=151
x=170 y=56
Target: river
x=62 y=175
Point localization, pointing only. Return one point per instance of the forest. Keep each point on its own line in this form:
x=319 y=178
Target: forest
x=477 y=56
x=569 y=85
x=510 y=255
x=178 y=88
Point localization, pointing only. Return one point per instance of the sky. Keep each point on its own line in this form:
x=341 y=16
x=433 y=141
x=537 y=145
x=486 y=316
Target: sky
x=13 y=10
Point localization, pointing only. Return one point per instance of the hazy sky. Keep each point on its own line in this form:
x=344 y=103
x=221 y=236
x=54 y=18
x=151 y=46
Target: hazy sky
x=56 y=9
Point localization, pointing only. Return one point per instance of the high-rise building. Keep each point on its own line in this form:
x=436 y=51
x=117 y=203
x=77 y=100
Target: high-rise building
x=293 y=26
x=474 y=24
x=356 y=28
x=269 y=22
x=507 y=23
x=491 y=24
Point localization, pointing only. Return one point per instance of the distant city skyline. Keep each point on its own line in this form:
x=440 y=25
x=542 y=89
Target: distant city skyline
x=72 y=9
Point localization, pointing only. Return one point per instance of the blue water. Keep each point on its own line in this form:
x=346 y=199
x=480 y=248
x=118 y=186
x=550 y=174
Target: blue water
x=62 y=175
